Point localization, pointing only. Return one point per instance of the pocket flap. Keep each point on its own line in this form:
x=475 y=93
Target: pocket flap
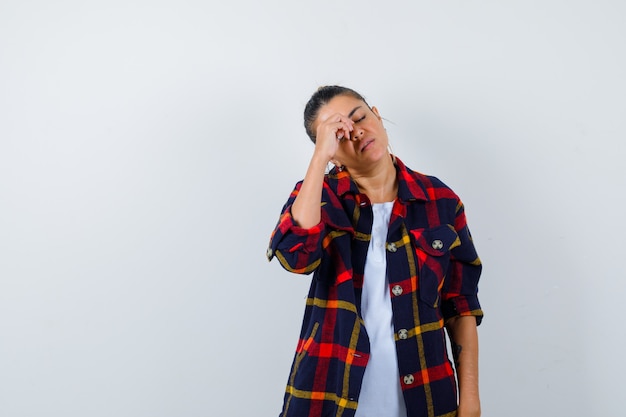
x=436 y=241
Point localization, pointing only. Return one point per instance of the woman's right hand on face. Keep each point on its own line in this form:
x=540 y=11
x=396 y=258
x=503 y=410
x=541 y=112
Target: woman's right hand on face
x=330 y=133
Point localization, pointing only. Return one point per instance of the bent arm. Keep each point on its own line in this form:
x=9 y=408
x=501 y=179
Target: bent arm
x=464 y=336
x=306 y=208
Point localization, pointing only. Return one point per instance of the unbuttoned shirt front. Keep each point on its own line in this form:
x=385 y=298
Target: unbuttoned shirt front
x=433 y=272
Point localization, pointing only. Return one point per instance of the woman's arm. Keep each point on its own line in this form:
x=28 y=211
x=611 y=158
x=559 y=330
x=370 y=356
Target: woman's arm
x=306 y=208
x=464 y=336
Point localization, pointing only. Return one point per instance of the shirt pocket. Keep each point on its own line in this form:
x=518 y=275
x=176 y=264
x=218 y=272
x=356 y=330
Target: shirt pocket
x=432 y=248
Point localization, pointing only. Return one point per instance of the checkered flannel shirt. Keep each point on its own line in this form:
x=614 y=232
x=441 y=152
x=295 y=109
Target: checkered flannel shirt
x=433 y=273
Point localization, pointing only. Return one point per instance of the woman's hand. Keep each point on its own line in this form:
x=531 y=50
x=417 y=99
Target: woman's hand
x=330 y=132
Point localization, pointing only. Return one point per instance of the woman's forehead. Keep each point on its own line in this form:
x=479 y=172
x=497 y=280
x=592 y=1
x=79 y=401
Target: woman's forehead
x=343 y=104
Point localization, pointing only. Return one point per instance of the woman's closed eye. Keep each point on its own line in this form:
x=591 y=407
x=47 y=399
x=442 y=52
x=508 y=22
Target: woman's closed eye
x=358 y=120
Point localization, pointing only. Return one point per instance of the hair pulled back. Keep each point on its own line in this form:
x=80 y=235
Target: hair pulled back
x=320 y=98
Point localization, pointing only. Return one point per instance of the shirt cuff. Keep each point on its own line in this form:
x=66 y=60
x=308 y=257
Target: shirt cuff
x=462 y=305
x=301 y=231
x=288 y=237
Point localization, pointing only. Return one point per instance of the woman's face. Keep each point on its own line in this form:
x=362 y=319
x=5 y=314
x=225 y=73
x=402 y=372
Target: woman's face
x=368 y=141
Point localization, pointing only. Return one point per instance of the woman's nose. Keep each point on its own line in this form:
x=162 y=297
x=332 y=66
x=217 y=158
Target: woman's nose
x=357 y=134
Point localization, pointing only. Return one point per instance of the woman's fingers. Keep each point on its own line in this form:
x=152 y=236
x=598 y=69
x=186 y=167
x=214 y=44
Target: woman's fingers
x=331 y=132
x=343 y=127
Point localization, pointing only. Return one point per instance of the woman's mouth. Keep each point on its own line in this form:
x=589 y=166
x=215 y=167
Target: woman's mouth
x=367 y=144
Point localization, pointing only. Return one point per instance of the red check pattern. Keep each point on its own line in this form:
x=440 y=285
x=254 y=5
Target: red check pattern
x=433 y=272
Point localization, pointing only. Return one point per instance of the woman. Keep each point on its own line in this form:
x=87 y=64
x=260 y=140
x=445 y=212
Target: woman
x=393 y=265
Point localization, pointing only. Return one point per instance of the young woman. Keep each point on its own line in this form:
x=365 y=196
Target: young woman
x=393 y=265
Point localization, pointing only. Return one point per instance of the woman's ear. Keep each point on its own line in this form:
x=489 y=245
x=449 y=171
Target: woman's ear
x=375 y=111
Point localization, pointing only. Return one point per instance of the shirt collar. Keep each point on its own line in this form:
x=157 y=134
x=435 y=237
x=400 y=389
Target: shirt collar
x=410 y=185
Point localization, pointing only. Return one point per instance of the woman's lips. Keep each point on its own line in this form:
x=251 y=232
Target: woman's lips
x=367 y=144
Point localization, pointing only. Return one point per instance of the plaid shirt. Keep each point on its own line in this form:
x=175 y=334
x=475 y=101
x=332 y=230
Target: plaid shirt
x=433 y=272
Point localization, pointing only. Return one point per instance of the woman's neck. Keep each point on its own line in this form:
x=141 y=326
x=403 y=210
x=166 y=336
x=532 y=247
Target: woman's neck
x=380 y=185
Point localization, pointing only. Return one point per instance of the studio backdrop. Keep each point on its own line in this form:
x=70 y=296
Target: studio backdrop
x=147 y=148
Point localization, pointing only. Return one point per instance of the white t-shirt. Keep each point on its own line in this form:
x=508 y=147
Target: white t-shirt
x=381 y=395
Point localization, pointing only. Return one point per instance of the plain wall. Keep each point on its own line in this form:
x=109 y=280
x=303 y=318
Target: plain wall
x=147 y=147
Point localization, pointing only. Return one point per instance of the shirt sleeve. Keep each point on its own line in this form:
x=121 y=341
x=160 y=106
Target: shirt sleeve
x=460 y=292
x=298 y=250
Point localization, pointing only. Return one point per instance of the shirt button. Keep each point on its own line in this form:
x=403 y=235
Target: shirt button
x=437 y=244
x=409 y=379
x=403 y=334
x=391 y=247
x=397 y=290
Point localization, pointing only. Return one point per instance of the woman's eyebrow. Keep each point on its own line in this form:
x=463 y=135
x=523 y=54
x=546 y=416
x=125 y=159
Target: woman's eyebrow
x=353 y=110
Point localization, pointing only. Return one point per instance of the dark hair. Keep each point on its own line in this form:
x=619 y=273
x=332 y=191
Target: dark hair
x=320 y=98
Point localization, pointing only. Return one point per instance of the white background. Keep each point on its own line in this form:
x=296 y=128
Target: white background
x=147 y=147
